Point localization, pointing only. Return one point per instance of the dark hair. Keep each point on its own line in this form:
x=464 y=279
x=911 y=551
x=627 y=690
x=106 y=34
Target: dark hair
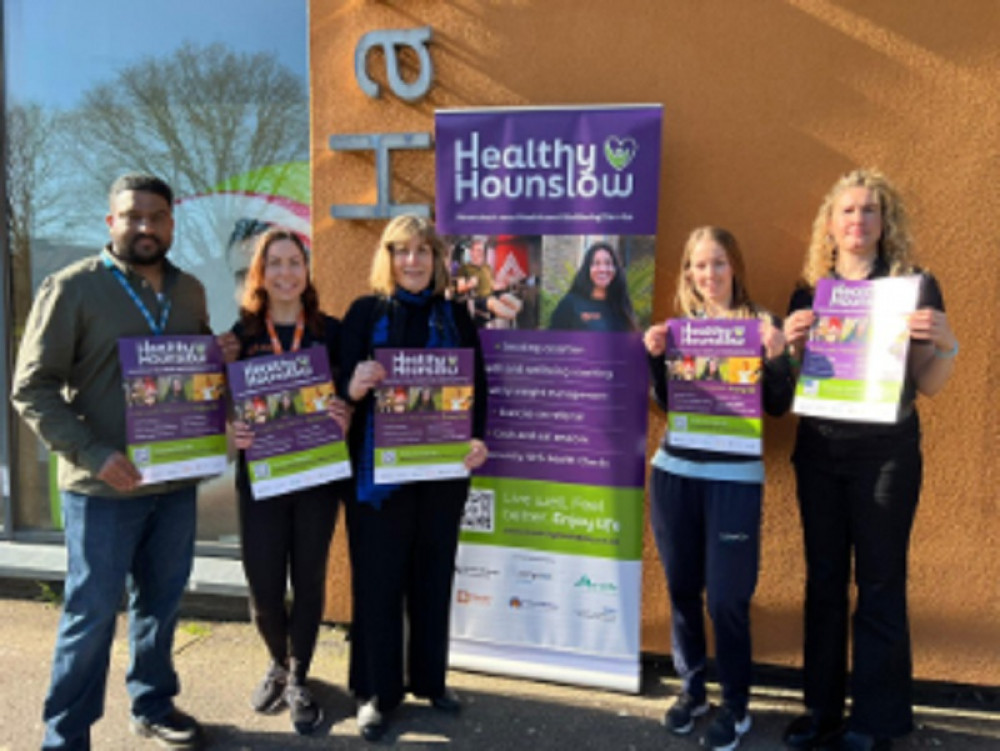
x=142 y=182
x=253 y=307
x=246 y=228
x=618 y=298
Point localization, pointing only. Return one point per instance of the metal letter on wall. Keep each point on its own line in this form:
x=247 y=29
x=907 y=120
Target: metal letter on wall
x=388 y=40
x=381 y=144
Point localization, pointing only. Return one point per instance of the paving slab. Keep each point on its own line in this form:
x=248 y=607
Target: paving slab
x=220 y=661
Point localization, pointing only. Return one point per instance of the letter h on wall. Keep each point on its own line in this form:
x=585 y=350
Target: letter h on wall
x=383 y=143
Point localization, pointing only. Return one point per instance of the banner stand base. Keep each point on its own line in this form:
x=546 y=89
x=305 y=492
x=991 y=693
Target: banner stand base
x=613 y=673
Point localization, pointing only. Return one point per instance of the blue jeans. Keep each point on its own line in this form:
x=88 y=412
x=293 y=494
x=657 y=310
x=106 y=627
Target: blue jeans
x=144 y=544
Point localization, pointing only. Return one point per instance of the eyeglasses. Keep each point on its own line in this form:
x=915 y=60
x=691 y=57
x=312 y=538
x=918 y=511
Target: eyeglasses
x=400 y=252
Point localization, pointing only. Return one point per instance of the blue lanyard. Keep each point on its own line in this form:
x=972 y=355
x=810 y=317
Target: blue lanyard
x=156 y=327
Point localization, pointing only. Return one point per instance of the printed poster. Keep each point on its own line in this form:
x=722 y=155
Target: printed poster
x=285 y=399
x=714 y=385
x=175 y=415
x=854 y=362
x=550 y=214
x=423 y=414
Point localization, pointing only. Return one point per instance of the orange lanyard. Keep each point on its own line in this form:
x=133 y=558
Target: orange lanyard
x=300 y=326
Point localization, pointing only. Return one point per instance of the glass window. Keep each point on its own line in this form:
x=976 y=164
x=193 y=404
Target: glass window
x=211 y=96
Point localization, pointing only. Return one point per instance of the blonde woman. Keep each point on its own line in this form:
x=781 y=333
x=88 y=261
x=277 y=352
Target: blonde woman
x=705 y=506
x=859 y=483
x=403 y=538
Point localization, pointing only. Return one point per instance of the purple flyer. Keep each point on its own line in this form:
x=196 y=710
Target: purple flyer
x=855 y=358
x=557 y=170
x=423 y=414
x=175 y=413
x=284 y=398
x=713 y=385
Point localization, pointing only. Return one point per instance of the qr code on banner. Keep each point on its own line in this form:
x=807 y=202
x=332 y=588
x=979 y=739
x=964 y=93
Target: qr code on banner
x=478 y=516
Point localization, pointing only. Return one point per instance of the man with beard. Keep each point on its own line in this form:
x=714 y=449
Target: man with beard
x=120 y=534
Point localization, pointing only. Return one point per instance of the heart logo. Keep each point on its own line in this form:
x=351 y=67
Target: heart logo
x=620 y=151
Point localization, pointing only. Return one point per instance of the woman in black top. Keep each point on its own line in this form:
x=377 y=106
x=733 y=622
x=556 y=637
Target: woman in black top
x=286 y=536
x=597 y=299
x=859 y=483
x=403 y=538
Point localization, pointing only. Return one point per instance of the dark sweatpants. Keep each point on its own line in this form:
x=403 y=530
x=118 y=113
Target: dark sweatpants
x=284 y=537
x=403 y=560
x=708 y=535
x=865 y=508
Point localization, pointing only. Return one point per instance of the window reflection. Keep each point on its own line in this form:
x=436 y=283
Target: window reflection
x=218 y=107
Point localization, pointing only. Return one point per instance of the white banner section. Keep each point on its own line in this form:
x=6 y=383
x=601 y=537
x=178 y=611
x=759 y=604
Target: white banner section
x=547 y=616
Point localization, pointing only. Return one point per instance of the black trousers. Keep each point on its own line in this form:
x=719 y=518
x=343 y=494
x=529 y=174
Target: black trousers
x=403 y=564
x=288 y=538
x=861 y=509
x=708 y=536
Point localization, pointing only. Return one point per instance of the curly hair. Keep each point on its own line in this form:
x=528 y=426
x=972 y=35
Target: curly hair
x=895 y=244
x=688 y=301
x=254 y=305
x=400 y=231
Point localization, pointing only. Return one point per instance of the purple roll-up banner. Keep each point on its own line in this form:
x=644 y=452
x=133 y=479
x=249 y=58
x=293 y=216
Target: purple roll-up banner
x=423 y=414
x=285 y=399
x=175 y=413
x=550 y=217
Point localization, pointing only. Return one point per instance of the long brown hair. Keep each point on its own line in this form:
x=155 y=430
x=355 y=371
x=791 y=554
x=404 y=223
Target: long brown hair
x=254 y=306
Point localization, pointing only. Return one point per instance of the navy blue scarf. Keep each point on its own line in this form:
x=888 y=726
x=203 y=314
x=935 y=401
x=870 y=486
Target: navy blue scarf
x=441 y=332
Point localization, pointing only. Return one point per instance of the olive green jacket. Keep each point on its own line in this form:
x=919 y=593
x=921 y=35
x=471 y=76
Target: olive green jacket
x=68 y=382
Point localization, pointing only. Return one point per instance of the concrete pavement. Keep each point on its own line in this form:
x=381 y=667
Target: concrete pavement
x=219 y=662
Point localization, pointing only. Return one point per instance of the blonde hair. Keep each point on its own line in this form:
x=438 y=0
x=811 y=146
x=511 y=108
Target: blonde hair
x=400 y=231
x=894 y=246
x=688 y=301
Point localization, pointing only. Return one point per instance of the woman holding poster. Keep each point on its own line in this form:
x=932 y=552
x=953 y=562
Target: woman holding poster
x=706 y=504
x=286 y=536
x=403 y=538
x=859 y=483
x=598 y=298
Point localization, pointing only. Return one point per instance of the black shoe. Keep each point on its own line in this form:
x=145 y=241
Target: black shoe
x=175 y=730
x=447 y=702
x=371 y=722
x=680 y=717
x=305 y=713
x=269 y=695
x=811 y=731
x=726 y=730
x=855 y=741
